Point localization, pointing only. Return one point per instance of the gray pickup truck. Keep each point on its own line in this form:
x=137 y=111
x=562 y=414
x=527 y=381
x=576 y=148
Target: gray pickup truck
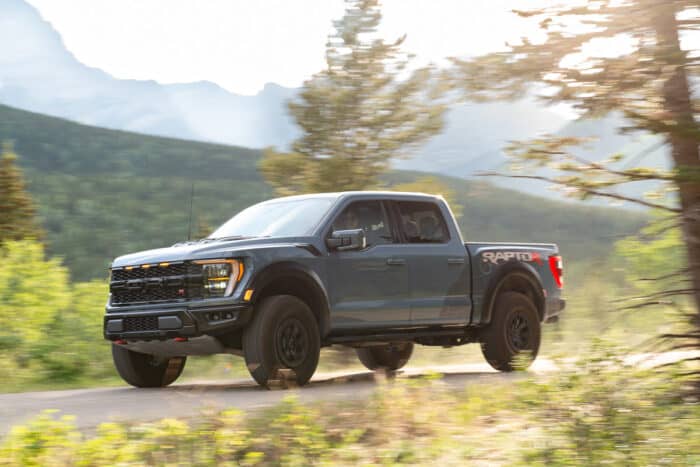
x=376 y=271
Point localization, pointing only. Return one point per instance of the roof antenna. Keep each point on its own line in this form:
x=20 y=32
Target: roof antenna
x=189 y=228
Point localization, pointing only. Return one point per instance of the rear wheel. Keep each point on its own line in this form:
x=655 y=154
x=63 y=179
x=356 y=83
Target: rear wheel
x=390 y=357
x=146 y=371
x=512 y=340
x=283 y=335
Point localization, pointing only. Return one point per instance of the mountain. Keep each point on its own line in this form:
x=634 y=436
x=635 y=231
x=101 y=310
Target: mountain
x=605 y=139
x=475 y=134
x=39 y=74
x=214 y=114
x=103 y=193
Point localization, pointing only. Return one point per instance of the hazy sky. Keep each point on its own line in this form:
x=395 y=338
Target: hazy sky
x=242 y=44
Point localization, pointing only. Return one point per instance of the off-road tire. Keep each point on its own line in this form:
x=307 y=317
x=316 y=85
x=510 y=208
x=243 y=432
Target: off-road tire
x=389 y=357
x=146 y=371
x=512 y=339
x=282 y=335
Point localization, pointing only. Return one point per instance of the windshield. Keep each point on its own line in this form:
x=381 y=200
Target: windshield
x=290 y=218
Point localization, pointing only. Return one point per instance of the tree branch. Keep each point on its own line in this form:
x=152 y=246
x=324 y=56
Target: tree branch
x=644 y=305
x=590 y=191
x=655 y=295
x=680 y=272
x=633 y=176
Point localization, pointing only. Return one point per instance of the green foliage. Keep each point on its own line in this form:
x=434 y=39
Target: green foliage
x=655 y=266
x=50 y=330
x=648 y=81
x=31 y=290
x=43 y=441
x=17 y=208
x=654 y=259
x=595 y=415
x=358 y=113
x=595 y=411
x=93 y=219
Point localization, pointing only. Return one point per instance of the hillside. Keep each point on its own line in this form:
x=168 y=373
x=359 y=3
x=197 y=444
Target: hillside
x=103 y=193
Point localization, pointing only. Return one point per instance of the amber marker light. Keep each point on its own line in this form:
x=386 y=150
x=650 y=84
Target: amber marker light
x=248 y=295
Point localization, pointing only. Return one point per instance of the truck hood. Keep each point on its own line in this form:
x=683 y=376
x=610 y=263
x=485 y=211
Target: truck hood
x=204 y=250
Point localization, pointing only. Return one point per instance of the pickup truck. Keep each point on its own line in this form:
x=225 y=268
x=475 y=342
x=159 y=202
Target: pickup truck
x=376 y=271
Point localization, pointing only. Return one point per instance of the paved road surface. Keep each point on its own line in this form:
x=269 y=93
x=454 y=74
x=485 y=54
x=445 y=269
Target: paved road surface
x=93 y=406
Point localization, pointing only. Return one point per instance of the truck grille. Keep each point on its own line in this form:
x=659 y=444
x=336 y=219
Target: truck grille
x=141 y=323
x=157 y=283
x=122 y=274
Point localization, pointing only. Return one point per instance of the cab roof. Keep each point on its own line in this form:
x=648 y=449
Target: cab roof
x=363 y=195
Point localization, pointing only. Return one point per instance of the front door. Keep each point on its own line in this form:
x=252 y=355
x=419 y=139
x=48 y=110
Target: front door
x=369 y=287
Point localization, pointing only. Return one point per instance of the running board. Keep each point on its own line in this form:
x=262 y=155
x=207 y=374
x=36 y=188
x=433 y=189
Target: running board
x=399 y=336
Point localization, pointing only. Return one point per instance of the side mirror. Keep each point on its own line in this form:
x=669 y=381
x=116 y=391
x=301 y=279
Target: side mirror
x=345 y=240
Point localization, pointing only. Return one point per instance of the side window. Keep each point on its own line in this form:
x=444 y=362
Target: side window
x=422 y=222
x=368 y=216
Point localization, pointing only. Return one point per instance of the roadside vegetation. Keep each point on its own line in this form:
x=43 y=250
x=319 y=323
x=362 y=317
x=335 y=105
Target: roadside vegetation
x=592 y=412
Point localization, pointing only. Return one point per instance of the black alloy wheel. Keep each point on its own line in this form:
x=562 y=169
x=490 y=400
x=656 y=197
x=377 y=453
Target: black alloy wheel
x=292 y=342
x=512 y=340
x=283 y=335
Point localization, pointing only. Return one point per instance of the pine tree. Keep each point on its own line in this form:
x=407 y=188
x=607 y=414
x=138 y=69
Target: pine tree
x=611 y=56
x=363 y=110
x=17 y=211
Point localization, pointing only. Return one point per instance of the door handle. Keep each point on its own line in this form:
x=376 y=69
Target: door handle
x=395 y=261
x=455 y=260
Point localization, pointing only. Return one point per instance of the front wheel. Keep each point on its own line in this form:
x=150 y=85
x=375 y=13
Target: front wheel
x=389 y=357
x=512 y=340
x=146 y=371
x=283 y=335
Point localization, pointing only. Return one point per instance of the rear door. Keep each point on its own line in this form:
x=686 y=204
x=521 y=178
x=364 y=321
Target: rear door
x=438 y=265
x=369 y=288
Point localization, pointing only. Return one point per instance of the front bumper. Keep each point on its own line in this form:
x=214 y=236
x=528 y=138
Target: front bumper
x=170 y=320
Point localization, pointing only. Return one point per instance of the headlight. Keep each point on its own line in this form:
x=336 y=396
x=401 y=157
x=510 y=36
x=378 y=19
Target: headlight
x=220 y=276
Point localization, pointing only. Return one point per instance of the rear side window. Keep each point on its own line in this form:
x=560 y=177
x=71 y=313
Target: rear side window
x=422 y=222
